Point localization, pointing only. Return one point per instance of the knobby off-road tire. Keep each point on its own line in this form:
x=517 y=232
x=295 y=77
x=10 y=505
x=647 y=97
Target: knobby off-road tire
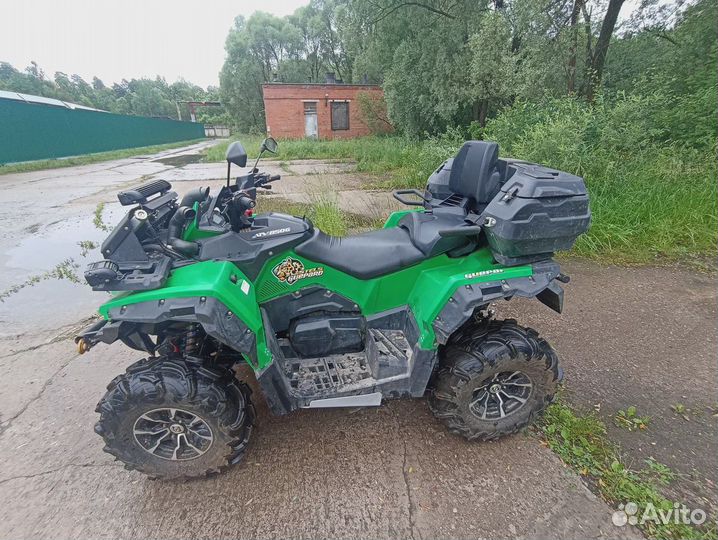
x=168 y=418
x=494 y=379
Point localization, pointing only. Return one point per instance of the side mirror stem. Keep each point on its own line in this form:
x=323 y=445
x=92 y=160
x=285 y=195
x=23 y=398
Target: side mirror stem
x=261 y=151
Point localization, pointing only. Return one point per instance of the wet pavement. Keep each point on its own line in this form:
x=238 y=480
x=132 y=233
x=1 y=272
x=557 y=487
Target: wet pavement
x=46 y=215
x=382 y=472
x=388 y=472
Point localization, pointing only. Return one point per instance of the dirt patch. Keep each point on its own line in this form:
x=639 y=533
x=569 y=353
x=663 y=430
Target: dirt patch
x=642 y=337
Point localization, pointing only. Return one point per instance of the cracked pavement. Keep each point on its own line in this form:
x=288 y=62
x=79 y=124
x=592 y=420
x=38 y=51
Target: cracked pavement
x=383 y=472
x=391 y=471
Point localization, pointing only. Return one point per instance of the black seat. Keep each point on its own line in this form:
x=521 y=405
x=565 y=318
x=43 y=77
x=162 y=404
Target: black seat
x=424 y=227
x=376 y=253
x=477 y=172
x=363 y=256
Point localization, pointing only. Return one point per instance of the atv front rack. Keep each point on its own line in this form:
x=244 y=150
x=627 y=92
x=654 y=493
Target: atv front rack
x=107 y=276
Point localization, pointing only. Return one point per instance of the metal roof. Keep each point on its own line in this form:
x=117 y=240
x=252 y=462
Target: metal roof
x=40 y=100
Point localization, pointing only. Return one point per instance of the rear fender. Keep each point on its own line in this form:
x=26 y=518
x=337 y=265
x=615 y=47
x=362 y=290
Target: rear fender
x=469 y=296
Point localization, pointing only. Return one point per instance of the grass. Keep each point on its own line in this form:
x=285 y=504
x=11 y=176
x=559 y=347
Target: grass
x=324 y=212
x=580 y=440
x=97 y=219
x=387 y=155
x=89 y=158
x=630 y=419
x=650 y=203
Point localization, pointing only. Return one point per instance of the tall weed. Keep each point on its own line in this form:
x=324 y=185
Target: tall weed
x=652 y=197
x=649 y=199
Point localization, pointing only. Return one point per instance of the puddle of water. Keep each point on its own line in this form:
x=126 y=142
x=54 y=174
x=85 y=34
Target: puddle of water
x=180 y=161
x=45 y=248
x=53 y=302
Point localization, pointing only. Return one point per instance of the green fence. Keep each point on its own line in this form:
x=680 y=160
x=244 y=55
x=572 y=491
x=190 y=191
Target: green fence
x=30 y=131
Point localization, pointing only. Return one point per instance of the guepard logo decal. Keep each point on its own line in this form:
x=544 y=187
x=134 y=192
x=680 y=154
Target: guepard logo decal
x=473 y=275
x=291 y=270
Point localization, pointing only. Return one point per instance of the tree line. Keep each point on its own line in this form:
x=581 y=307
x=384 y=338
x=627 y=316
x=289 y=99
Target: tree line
x=144 y=97
x=448 y=63
x=444 y=63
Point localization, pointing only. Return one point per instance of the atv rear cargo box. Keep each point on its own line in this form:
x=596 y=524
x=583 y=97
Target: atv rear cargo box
x=537 y=212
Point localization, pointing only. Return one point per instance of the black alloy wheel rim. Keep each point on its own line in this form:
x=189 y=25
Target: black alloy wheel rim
x=173 y=434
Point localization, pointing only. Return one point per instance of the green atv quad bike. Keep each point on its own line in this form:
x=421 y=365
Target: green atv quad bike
x=202 y=284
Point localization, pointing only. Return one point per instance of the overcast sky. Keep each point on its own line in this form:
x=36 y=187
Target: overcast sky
x=116 y=39
x=122 y=39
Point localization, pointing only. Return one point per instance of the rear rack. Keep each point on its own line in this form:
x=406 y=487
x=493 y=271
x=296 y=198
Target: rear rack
x=140 y=194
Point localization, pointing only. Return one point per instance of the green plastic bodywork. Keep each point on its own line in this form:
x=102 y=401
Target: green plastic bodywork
x=425 y=287
x=192 y=232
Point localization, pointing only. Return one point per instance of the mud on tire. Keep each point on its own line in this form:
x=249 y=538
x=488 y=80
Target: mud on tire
x=211 y=406
x=494 y=378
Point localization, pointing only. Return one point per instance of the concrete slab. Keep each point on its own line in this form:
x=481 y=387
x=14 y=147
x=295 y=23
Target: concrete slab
x=382 y=472
x=387 y=472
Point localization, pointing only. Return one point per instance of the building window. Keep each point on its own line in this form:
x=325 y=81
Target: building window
x=340 y=115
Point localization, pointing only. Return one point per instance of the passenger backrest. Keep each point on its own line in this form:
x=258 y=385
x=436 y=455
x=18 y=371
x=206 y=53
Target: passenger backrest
x=477 y=172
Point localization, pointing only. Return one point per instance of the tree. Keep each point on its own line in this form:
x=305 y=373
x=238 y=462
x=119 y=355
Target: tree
x=493 y=64
x=421 y=53
x=373 y=110
x=266 y=48
x=149 y=97
x=241 y=79
x=598 y=56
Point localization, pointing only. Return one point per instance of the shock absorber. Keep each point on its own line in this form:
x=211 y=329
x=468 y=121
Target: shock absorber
x=191 y=340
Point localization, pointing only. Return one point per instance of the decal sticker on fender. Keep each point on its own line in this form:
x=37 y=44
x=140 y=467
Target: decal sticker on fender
x=275 y=232
x=245 y=287
x=473 y=275
x=291 y=270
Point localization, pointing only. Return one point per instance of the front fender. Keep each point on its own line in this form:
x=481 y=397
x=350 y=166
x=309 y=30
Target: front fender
x=213 y=293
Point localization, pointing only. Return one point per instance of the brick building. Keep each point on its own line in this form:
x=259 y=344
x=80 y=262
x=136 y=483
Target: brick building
x=324 y=111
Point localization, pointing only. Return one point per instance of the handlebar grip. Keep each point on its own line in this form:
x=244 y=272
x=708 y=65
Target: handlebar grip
x=461 y=231
x=275 y=177
x=246 y=202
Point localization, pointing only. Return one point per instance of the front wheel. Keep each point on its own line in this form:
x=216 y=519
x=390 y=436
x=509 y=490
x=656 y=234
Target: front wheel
x=494 y=379
x=168 y=418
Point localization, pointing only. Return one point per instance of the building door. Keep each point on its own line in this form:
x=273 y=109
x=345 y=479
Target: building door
x=311 y=126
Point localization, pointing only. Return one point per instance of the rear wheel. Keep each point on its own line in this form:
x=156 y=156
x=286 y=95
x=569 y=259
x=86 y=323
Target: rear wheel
x=495 y=378
x=169 y=418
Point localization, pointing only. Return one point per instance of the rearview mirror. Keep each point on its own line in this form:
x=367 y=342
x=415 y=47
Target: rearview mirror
x=270 y=145
x=237 y=154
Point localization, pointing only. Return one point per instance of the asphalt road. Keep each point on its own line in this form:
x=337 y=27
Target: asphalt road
x=382 y=472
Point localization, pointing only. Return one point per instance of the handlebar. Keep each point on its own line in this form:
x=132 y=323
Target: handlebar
x=460 y=231
x=262 y=180
x=244 y=201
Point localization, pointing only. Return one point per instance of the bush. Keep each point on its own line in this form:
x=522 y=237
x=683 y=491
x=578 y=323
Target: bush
x=652 y=197
x=649 y=198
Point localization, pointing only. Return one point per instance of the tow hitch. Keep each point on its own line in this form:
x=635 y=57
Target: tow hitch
x=84 y=339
